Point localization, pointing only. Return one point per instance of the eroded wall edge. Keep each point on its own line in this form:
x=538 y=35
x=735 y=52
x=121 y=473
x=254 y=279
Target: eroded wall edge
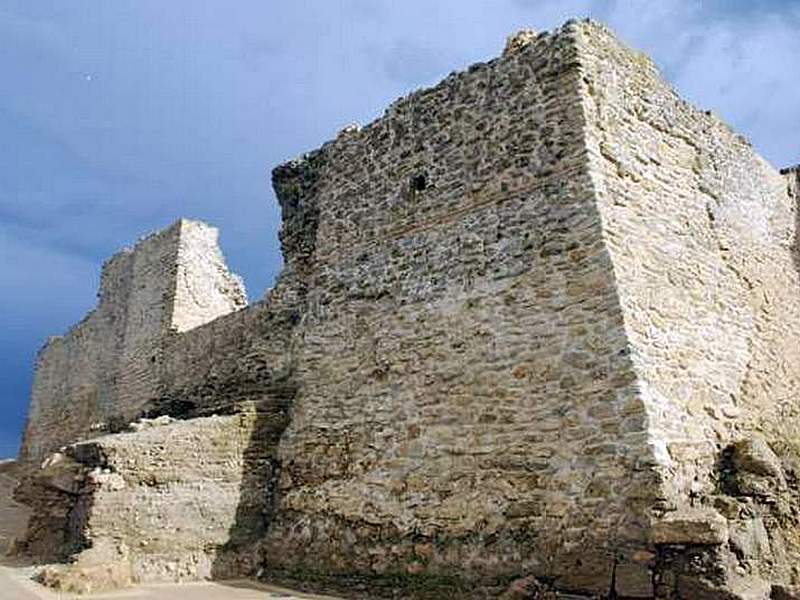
x=716 y=357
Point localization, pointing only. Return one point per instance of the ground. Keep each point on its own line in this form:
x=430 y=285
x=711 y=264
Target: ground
x=16 y=585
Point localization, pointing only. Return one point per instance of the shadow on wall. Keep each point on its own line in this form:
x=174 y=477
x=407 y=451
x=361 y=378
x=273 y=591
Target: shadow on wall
x=239 y=557
x=274 y=391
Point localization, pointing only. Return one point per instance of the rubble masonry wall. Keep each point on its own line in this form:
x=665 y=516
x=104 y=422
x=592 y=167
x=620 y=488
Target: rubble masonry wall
x=105 y=370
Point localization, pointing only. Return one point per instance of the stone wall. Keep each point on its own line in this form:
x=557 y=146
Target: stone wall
x=13 y=515
x=703 y=238
x=103 y=372
x=167 y=501
x=536 y=322
x=227 y=364
x=465 y=402
x=707 y=285
x=204 y=288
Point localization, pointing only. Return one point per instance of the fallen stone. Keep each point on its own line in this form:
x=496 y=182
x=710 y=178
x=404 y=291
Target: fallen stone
x=142 y=424
x=86 y=580
x=102 y=567
x=525 y=588
x=755 y=456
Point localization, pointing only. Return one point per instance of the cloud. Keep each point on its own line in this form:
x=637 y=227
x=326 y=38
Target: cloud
x=409 y=62
x=742 y=70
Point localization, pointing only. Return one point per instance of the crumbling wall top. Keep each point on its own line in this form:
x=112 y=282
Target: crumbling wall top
x=106 y=368
x=204 y=287
x=792 y=175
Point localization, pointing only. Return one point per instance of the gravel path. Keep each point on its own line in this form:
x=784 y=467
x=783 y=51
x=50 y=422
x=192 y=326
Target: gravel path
x=15 y=585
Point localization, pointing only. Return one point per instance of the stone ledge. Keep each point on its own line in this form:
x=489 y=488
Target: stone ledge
x=697 y=526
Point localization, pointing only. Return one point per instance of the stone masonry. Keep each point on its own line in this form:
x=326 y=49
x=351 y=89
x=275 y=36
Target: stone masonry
x=100 y=374
x=538 y=329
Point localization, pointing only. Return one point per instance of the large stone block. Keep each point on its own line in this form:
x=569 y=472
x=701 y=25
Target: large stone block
x=699 y=527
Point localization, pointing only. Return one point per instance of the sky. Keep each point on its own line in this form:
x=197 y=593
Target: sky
x=119 y=116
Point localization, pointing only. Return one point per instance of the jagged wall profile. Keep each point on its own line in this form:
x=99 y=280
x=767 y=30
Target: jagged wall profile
x=539 y=323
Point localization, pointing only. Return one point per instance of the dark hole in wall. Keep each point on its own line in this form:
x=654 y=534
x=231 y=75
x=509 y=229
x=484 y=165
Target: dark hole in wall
x=419 y=182
x=726 y=471
x=175 y=408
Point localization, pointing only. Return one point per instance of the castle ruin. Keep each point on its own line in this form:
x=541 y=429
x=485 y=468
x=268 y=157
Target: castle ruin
x=538 y=328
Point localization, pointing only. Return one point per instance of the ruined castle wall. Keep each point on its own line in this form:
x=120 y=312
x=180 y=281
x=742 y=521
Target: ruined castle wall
x=709 y=286
x=525 y=317
x=175 y=500
x=171 y=501
x=105 y=370
x=704 y=237
x=179 y=487
x=76 y=374
x=204 y=287
x=465 y=396
x=148 y=317
x=236 y=360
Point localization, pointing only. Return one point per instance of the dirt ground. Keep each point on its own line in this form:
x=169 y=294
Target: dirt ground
x=15 y=584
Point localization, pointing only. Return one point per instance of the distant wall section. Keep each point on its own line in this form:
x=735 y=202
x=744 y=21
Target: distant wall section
x=102 y=373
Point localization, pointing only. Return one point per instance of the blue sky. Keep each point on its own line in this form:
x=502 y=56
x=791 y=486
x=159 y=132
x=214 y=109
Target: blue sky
x=117 y=117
